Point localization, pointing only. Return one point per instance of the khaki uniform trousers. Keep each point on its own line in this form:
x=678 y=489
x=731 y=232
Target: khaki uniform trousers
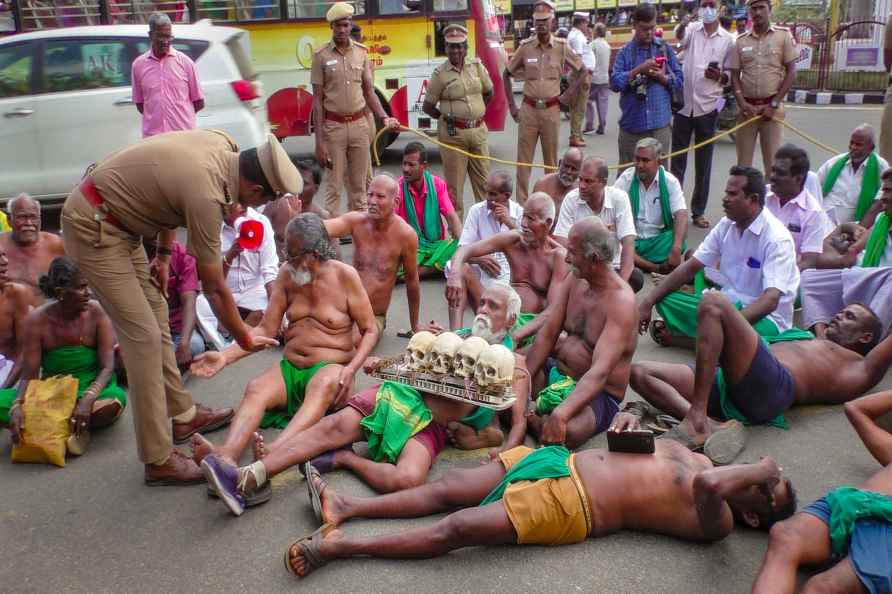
x=577 y=107
x=535 y=124
x=349 y=145
x=771 y=135
x=885 y=148
x=456 y=167
x=114 y=263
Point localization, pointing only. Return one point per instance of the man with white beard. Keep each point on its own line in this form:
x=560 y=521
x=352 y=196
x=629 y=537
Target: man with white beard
x=402 y=463
x=322 y=300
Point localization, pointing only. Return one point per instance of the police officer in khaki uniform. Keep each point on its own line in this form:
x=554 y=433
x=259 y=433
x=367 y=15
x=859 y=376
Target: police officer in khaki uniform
x=763 y=67
x=457 y=95
x=540 y=60
x=885 y=146
x=343 y=92
x=180 y=179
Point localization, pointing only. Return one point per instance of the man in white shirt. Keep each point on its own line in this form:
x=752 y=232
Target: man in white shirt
x=578 y=42
x=755 y=254
x=706 y=48
x=794 y=206
x=485 y=219
x=595 y=198
x=599 y=91
x=659 y=209
x=249 y=272
x=851 y=181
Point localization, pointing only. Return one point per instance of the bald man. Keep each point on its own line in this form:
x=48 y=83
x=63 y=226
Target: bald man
x=566 y=178
x=29 y=249
x=851 y=181
x=383 y=244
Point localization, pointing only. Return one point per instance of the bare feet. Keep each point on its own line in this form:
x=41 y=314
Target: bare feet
x=466 y=438
x=201 y=447
x=322 y=551
x=259 y=447
x=333 y=505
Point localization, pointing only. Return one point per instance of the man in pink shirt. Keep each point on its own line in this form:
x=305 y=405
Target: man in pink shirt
x=425 y=212
x=166 y=89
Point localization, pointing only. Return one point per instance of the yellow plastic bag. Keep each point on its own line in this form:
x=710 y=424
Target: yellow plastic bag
x=47 y=408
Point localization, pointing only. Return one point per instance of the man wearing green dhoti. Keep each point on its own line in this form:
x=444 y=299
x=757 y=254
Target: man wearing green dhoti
x=756 y=257
x=69 y=335
x=658 y=205
x=424 y=203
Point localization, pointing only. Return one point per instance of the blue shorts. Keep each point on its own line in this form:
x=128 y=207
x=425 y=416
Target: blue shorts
x=870 y=549
x=604 y=405
x=766 y=391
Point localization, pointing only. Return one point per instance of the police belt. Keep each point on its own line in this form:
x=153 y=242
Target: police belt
x=464 y=124
x=345 y=118
x=540 y=103
x=91 y=193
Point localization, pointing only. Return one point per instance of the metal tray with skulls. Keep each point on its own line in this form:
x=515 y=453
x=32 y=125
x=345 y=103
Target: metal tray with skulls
x=468 y=370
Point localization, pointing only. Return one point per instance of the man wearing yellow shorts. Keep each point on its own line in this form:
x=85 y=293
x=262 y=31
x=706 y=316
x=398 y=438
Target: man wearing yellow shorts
x=550 y=496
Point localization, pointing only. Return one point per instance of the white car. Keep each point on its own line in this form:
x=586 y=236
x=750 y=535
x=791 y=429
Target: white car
x=65 y=99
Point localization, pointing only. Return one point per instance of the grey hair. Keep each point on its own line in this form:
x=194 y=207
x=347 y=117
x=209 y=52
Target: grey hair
x=10 y=205
x=158 y=19
x=547 y=202
x=313 y=235
x=869 y=130
x=597 y=240
x=505 y=181
x=512 y=306
x=602 y=171
x=650 y=143
x=600 y=30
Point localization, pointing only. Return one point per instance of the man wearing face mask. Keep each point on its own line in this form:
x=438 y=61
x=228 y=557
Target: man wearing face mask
x=457 y=95
x=561 y=182
x=706 y=48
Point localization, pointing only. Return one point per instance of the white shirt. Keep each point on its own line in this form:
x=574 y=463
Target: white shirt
x=700 y=93
x=649 y=222
x=760 y=258
x=601 y=49
x=578 y=42
x=481 y=224
x=252 y=269
x=804 y=218
x=616 y=213
x=842 y=201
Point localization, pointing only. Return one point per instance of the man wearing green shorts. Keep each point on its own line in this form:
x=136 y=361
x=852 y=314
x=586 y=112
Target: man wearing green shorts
x=755 y=257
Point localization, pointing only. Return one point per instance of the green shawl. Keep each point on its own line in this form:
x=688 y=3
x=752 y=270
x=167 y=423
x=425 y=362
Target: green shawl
x=433 y=226
x=876 y=243
x=635 y=198
x=546 y=462
x=870 y=183
x=400 y=412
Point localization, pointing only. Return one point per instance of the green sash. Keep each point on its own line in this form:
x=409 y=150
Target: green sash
x=433 y=226
x=551 y=396
x=876 y=243
x=655 y=249
x=847 y=506
x=547 y=462
x=400 y=412
x=870 y=183
x=635 y=198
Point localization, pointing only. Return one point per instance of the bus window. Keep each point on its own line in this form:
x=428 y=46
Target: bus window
x=316 y=9
x=238 y=11
x=399 y=6
x=450 y=6
x=124 y=12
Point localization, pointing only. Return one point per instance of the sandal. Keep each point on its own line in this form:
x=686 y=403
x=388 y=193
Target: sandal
x=701 y=222
x=726 y=443
x=657 y=327
x=663 y=423
x=313 y=491
x=309 y=548
x=682 y=437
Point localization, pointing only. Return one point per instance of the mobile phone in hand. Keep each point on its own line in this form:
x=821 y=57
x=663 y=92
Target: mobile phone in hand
x=637 y=441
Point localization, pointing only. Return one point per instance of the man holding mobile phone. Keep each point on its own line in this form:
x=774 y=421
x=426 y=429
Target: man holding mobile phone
x=707 y=49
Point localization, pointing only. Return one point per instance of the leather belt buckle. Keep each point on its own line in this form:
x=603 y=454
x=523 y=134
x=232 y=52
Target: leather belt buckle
x=540 y=104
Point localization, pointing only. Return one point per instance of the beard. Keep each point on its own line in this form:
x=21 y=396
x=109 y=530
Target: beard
x=482 y=328
x=566 y=179
x=301 y=276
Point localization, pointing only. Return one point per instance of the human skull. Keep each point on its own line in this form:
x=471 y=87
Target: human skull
x=419 y=350
x=443 y=352
x=495 y=366
x=466 y=357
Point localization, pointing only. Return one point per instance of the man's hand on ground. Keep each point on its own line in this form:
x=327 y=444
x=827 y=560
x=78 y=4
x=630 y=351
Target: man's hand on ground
x=208 y=364
x=17 y=424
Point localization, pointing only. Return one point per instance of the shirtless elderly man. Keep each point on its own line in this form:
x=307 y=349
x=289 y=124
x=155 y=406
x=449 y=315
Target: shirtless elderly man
x=383 y=243
x=29 y=250
x=322 y=300
x=536 y=262
x=564 y=180
x=16 y=300
x=854 y=557
x=590 y=494
x=581 y=358
x=401 y=448
x=739 y=377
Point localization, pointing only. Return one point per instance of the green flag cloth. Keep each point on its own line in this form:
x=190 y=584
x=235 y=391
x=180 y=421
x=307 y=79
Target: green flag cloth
x=435 y=254
x=656 y=249
x=433 y=226
x=547 y=462
x=870 y=183
x=876 y=243
x=847 y=506
x=400 y=412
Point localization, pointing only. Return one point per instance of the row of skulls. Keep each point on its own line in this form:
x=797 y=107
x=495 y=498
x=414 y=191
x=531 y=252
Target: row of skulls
x=471 y=358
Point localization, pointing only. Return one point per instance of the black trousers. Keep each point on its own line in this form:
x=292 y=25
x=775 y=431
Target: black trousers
x=701 y=128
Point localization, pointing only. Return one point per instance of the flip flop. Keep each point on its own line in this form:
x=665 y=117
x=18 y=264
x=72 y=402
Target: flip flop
x=404 y=334
x=314 y=493
x=681 y=436
x=76 y=444
x=726 y=443
x=656 y=327
x=641 y=409
x=309 y=548
x=258 y=497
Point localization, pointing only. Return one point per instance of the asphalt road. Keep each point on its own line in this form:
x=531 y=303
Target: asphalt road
x=94 y=527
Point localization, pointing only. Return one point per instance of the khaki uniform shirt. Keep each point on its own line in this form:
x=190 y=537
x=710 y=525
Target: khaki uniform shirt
x=541 y=66
x=762 y=61
x=178 y=179
x=460 y=91
x=341 y=76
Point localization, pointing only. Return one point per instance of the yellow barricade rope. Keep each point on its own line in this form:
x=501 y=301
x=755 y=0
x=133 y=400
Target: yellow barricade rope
x=623 y=166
